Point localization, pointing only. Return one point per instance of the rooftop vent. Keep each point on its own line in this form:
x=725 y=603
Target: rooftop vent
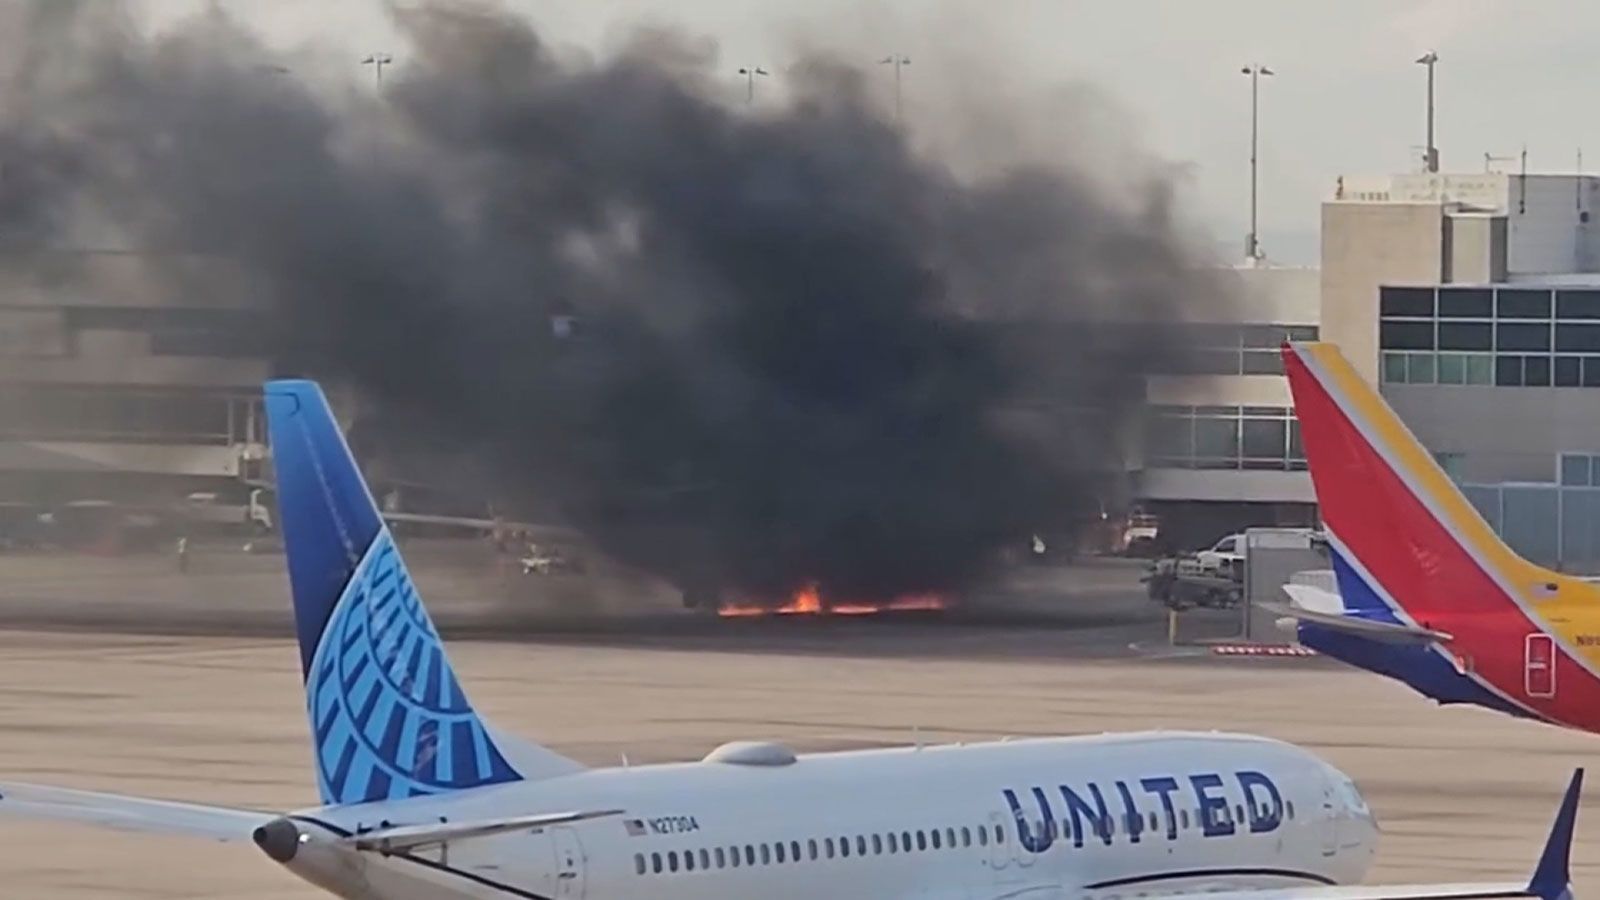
x=752 y=753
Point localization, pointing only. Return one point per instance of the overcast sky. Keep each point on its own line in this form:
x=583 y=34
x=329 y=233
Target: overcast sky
x=1347 y=96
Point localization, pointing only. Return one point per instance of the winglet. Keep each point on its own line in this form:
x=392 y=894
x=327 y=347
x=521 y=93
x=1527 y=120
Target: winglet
x=1552 y=880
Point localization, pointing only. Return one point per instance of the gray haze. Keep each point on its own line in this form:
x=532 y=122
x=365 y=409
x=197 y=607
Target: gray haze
x=804 y=351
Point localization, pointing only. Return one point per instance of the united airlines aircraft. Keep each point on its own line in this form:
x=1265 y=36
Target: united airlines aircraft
x=421 y=798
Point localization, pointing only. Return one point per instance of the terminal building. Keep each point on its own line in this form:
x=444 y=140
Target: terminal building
x=125 y=389
x=1472 y=300
x=1220 y=448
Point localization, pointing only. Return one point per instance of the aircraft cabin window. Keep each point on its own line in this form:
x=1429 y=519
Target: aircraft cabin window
x=1239 y=808
x=861 y=845
x=638 y=863
x=999 y=834
x=966 y=836
x=877 y=845
x=844 y=847
x=1184 y=813
x=794 y=851
x=655 y=863
x=749 y=854
x=950 y=837
x=722 y=861
x=688 y=860
x=811 y=845
x=827 y=844
x=935 y=838
x=766 y=854
x=894 y=842
x=983 y=836
x=777 y=851
x=1290 y=809
x=922 y=840
x=1153 y=826
x=733 y=856
x=672 y=860
x=905 y=841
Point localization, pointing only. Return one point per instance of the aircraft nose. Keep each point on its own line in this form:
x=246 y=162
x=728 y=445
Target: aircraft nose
x=280 y=839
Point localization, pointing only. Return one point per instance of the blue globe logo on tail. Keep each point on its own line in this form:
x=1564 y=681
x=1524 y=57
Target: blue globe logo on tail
x=390 y=718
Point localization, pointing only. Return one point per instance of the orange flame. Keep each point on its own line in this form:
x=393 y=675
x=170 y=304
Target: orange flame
x=808 y=601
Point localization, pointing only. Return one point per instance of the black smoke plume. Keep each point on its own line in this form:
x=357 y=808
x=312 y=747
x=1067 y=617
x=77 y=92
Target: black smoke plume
x=745 y=348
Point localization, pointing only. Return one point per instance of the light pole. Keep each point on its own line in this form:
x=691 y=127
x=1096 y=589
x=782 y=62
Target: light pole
x=1252 y=241
x=899 y=61
x=377 y=61
x=750 y=73
x=1430 y=155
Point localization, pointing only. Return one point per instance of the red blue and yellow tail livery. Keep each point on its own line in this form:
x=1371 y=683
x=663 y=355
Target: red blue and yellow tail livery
x=1428 y=593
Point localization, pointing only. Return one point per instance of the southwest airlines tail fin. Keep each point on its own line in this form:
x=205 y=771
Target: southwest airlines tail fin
x=1408 y=547
x=388 y=717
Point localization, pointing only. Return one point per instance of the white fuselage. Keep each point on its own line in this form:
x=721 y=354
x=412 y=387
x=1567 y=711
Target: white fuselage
x=1182 y=812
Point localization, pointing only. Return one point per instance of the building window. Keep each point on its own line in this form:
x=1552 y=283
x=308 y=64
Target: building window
x=1508 y=371
x=1405 y=335
x=1582 y=304
x=1452 y=368
x=1466 y=336
x=1223 y=437
x=1522 y=336
x=1536 y=371
x=1465 y=303
x=1577 y=469
x=1568 y=371
x=1522 y=304
x=1406 y=301
x=1505 y=336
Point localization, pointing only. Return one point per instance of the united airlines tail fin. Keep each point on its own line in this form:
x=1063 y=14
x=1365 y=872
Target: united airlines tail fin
x=388 y=716
x=1407 y=545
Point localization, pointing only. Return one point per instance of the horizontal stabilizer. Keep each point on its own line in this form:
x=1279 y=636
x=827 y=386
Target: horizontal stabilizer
x=125 y=813
x=1356 y=626
x=1314 y=599
x=401 y=838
